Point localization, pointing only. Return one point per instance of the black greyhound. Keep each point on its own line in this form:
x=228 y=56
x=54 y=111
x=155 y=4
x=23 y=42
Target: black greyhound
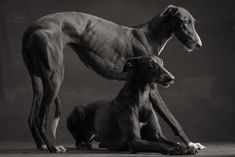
x=116 y=123
x=103 y=46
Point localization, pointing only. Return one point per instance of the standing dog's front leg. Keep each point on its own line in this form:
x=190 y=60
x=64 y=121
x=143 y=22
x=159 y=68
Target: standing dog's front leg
x=164 y=112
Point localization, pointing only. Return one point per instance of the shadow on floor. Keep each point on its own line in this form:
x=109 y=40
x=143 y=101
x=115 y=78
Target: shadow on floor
x=28 y=149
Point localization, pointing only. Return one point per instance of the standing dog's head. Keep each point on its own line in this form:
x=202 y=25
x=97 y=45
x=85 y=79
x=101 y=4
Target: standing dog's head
x=182 y=24
x=149 y=69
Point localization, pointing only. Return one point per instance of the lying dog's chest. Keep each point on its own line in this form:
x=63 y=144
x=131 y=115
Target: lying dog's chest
x=144 y=110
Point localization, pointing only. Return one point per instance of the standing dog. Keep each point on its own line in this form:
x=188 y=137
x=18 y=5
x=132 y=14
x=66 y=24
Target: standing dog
x=117 y=123
x=102 y=46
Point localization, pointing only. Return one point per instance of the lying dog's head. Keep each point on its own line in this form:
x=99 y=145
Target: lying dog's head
x=182 y=25
x=149 y=69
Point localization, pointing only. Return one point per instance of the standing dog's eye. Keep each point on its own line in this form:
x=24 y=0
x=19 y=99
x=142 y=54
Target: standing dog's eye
x=151 y=63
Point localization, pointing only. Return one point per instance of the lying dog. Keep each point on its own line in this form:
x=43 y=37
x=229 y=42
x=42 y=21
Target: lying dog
x=102 y=46
x=117 y=123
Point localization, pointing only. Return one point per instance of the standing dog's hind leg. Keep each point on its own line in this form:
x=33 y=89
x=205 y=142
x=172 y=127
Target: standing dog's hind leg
x=52 y=85
x=56 y=118
x=33 y=116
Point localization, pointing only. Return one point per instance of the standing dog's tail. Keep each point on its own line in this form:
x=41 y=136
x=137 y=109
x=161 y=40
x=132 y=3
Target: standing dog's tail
x=56 y=119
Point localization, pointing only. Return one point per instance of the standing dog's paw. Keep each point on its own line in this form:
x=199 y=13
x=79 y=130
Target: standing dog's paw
x=56 y=149
x=197 y=146
x=60 y=149
x=42 y=147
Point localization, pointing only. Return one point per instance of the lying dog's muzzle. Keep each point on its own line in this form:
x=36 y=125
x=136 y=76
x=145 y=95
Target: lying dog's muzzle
x=166 y=85
x=166 y=80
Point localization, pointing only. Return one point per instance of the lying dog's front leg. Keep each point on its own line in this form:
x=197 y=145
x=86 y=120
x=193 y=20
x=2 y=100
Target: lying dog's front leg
x=164 y=112
x=130 y=128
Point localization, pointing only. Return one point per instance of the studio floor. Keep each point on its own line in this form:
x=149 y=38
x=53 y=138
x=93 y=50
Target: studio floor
x=27 y=149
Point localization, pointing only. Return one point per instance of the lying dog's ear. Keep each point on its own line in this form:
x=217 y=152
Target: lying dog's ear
x=130 y=64
x=171 y=10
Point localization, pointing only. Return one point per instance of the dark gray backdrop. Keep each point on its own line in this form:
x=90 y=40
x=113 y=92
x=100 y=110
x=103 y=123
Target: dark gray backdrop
x=202 y=97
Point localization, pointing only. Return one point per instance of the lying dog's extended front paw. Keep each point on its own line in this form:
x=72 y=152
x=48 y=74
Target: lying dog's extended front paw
x=173 y=151
x=190 y=151
x=197 y=146
x=181 y=151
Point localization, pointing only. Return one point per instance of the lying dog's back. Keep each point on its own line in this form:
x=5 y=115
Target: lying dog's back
x=94 y=120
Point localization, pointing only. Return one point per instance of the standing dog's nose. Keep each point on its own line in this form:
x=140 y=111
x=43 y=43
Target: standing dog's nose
x=199 y=44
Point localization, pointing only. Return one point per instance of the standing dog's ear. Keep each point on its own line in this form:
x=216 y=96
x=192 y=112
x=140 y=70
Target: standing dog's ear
x=171 y=10
x=130 y=64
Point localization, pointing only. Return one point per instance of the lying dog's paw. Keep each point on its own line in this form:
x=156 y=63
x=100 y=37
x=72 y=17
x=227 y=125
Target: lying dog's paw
x=101 y=145
x=83 y=146
x=190 y=151
x=174 y=151
x=86 y=146
x=181 y=151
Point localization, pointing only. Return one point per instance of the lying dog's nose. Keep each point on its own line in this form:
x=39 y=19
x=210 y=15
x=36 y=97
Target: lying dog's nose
x=168 y=78
x=172 y=77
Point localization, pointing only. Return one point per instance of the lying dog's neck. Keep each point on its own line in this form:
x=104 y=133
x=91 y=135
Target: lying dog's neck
x=158 y=32
x=136 y=88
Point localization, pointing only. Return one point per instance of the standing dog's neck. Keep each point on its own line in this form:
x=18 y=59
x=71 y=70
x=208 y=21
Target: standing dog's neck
x=157 y=32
